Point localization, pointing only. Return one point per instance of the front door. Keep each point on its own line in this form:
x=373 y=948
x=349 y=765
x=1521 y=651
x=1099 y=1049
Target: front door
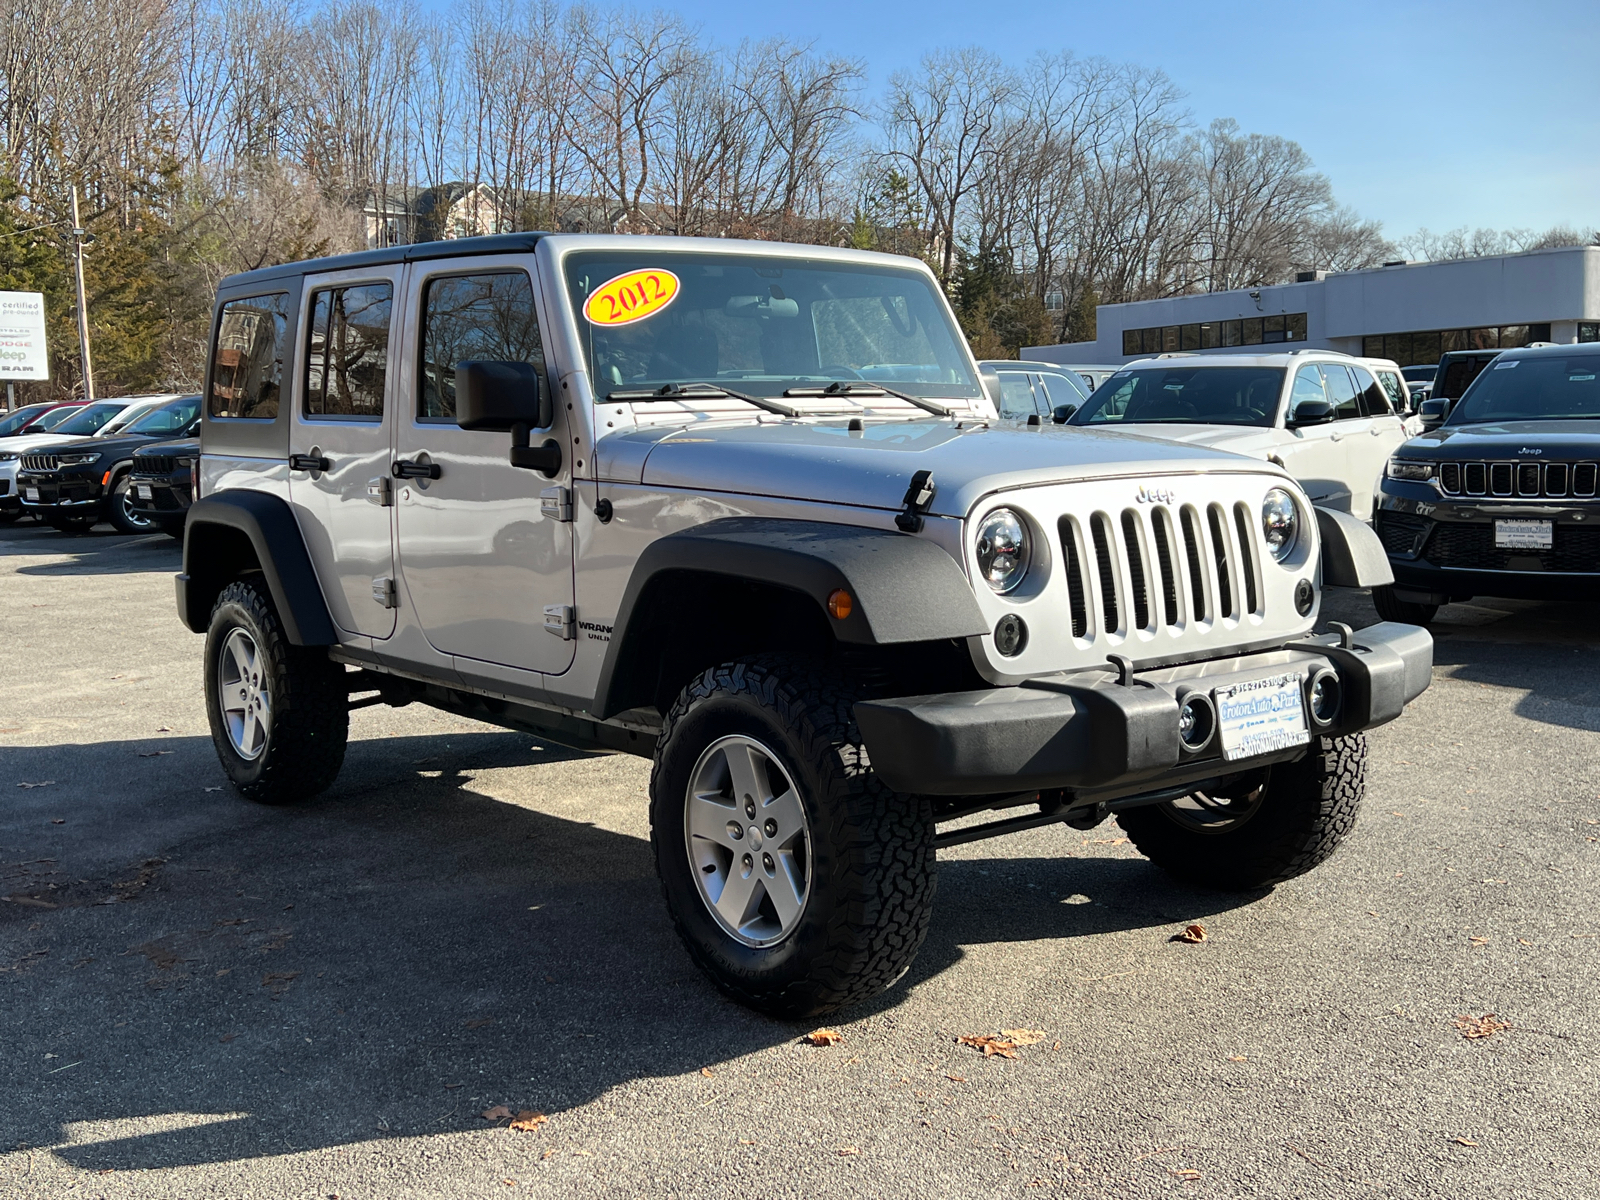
x=1314 y=454
x=339 y=443
x=486 y=547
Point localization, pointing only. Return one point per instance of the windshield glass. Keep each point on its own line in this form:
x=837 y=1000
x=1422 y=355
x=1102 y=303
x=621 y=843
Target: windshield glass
x=169 y=418
x=89 y=418
x=762 y=325
x=1419 y=374
x=12 y=422
x=1186 y=395
x=1535 y=388
x=1455 y=375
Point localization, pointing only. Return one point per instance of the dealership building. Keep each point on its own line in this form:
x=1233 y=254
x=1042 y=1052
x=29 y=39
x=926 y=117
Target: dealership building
x=1409 y=312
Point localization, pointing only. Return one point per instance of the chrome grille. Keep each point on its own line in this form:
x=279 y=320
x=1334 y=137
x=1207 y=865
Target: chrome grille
x=1522 y=479
x=41 y=462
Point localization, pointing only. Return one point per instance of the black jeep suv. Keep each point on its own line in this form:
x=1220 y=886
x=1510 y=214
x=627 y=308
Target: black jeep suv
x=75 y=485
x=1503 y=498
x=162 y=483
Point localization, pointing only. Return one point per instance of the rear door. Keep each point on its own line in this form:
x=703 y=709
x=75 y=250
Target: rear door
x=486 y=548
x=1384 y=431
x=339 y=442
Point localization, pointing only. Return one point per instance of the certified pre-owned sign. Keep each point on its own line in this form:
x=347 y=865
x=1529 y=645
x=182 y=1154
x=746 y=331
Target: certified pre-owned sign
x=22 y=351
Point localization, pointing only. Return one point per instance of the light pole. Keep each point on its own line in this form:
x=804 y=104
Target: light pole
x=79 y=236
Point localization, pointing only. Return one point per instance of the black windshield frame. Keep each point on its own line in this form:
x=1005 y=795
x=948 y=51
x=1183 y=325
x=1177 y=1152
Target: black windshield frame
x=1542 y=382
x=720 y=335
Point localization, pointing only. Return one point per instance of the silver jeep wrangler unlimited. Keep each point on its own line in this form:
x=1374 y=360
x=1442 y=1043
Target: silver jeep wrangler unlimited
x=742 y=508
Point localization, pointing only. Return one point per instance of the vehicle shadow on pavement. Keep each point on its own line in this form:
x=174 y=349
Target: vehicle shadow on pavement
x=103 y=552
x=1562 y=679
x=212 y=980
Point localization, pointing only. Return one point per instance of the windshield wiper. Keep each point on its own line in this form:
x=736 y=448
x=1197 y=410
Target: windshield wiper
x=845 y=389
x=704 y=391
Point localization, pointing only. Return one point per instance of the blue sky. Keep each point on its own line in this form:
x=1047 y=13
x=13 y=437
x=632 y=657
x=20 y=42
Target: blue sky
x=1436 y=115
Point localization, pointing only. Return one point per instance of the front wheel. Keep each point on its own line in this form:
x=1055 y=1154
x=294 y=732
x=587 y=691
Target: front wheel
x=1264 y=828
x=279 y=713
x=121 y=512
x=798 y=881
x=1391 y=608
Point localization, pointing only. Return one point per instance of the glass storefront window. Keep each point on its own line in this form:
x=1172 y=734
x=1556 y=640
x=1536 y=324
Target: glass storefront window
x=1190 y=337
x=1232 y=333
x=1252 y=331
x=1589 y=331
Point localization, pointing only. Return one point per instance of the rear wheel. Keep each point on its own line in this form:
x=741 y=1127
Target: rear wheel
x=279 y=712
x=798 y=881
x=123 y=515
x=1269 y=826
x=1391 y=608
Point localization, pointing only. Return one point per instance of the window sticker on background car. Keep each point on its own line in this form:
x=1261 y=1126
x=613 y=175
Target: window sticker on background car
x=631 y=297
x=1508 y=364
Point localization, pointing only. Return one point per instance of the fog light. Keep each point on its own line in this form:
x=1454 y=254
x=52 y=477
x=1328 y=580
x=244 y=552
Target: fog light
x=1010 y=635
x=1197 y=721
x=1304 y=597
x=1326 y=696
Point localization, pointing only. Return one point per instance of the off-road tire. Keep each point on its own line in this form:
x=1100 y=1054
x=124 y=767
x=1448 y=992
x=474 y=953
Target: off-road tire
x=310 y=705
x=873 y=864
x=117 y=508
x=1309 y=807
x=10 y=516
x=1391 y=608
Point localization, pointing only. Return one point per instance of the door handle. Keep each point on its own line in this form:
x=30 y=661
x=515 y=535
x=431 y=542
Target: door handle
x=416 y=469
x=309 y=462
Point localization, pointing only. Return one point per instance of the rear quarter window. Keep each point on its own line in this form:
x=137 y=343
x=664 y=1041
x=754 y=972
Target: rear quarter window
x=246 y=378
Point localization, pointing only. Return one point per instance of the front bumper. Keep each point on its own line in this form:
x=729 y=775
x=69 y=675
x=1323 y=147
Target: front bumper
x=60 y=492
x=1086 y=732
x=1442 y=548
x=168 y=497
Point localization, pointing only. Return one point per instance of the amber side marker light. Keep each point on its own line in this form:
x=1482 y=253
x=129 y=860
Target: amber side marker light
x=840 y=605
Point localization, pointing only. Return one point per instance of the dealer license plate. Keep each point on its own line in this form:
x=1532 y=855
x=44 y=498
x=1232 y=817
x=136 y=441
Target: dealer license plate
x=31 y=494
x=1524 y=535
x=1261 y=716
x=144 y=491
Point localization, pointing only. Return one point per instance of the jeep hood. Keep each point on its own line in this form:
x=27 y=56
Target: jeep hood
x=871 y=468
x=1502 y=440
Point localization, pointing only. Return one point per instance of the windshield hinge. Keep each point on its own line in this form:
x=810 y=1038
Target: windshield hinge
x=556 y=503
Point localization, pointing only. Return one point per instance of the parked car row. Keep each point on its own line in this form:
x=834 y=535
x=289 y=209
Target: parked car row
x=1479 y=475
x=74 y=465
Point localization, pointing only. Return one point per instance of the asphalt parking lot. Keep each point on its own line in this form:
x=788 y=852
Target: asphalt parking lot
x=202 y=997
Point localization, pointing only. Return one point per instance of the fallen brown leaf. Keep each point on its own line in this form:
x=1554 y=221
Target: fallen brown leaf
x=1478 y=941
x=1188 y=1175
x=479 y=1022
x=846 y=1151
x=1024 y=1037
x=1192 y=934
x=1461 y=1141
x=990 y=1045
x=706 y=1071
x=1473 y=1028
x=550 y=1153
x=823 y=1037
x=498 y=1113
x=527 y=1120
x=956 y=1078
x=1237 y=1058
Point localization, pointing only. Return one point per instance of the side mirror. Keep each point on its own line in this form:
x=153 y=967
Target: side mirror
x=1310 y=412
x=507 y=397
x=1063 y=413
x=194 y=429
x=1433 y=413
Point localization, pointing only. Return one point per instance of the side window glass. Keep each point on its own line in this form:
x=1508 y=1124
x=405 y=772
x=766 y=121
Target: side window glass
x=1374 y=403
x=1341 y=392
x=247 y=361
x=347 y=363
x=1393 y=390
x=1307 y=386
x=1016 y=395
x=1058 y=390
x=473 y=318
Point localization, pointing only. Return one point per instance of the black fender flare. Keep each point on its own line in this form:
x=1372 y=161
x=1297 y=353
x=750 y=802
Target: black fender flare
x=1352 y=555
x=903 y=589
x=211 y=560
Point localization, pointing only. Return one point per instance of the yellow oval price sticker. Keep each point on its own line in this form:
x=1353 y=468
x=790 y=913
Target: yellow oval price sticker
x=631 y=297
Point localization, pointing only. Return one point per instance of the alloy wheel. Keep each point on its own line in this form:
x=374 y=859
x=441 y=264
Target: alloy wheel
x=242 y=689
x=748 y=840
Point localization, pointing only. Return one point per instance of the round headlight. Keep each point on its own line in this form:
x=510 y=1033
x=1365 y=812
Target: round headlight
x=1280 y=523
x=1002 y=549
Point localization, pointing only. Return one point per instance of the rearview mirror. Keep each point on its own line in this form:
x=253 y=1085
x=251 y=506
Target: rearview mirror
x=1310 y=412
x=1063 y=413
x=499 y=396
x=1433 y=413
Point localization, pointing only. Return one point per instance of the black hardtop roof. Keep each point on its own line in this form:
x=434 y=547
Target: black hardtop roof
x=1562 y=348
x=500 y=243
